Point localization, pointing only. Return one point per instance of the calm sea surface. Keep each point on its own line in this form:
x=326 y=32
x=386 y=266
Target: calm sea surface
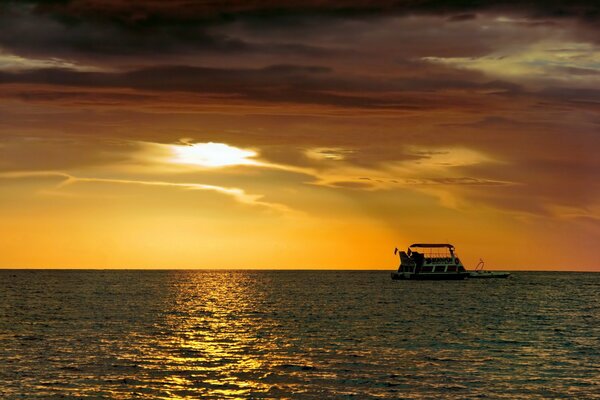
x=297 y=334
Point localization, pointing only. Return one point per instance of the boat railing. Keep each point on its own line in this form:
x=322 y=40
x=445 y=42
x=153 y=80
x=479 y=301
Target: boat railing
x=435 y=260
x=435 y=254
x=480 y=265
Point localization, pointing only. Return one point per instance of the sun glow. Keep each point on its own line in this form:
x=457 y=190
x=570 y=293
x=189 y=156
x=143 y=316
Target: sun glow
x=213 y=155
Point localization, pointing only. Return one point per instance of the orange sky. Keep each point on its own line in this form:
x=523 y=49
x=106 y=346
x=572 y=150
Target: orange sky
x=304 y=135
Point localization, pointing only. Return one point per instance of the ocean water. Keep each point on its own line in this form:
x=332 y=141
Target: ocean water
x=297 y=334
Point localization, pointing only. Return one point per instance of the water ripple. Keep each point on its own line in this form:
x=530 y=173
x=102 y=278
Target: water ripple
x=296 y=334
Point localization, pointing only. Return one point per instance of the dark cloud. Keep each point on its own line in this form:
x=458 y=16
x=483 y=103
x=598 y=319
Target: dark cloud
x=574 y=97
x=104 y=31
x=145 y=12
x=462 y=17
x=278 y=83
x=78 y=97
x=39 y=32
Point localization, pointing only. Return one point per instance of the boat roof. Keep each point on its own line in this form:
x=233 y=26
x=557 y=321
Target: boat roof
x=432 y=245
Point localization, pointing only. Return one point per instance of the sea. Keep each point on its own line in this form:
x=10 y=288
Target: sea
x=206 y=334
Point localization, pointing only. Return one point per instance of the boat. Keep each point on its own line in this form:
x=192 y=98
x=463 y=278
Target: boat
x=430 y=261
x=480 y=273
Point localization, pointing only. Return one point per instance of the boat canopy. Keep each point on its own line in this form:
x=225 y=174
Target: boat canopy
x=432 y=245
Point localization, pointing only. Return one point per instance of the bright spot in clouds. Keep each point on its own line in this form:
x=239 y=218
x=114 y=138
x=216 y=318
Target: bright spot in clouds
x=544 y=59
x=212 y=155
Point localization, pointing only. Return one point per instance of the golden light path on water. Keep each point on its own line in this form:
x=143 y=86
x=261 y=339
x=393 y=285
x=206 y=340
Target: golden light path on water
x=213 y=346
x=218 y=336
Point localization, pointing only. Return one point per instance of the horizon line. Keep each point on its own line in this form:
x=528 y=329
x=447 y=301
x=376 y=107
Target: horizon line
x=266 y=269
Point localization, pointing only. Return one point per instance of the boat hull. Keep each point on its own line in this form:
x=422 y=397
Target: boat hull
x=444 y=276
x=488 y=275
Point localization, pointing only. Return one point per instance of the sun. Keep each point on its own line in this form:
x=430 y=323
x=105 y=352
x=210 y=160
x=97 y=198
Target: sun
x=213 y=155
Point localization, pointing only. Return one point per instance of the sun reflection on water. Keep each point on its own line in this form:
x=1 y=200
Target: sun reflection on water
x=213 y=347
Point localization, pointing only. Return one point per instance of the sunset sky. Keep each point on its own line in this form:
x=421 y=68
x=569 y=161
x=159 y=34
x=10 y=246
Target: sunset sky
x=298 y=134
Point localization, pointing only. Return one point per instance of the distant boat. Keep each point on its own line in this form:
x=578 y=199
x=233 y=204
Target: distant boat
x=479 y=273
x=426 y=261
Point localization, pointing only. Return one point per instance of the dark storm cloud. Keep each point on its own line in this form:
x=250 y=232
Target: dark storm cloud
x=462 y=17
x=37 y=32
x=279 y=83
x=574 y=97
x=79 y=97
x=87 y=29
x=144 y=12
